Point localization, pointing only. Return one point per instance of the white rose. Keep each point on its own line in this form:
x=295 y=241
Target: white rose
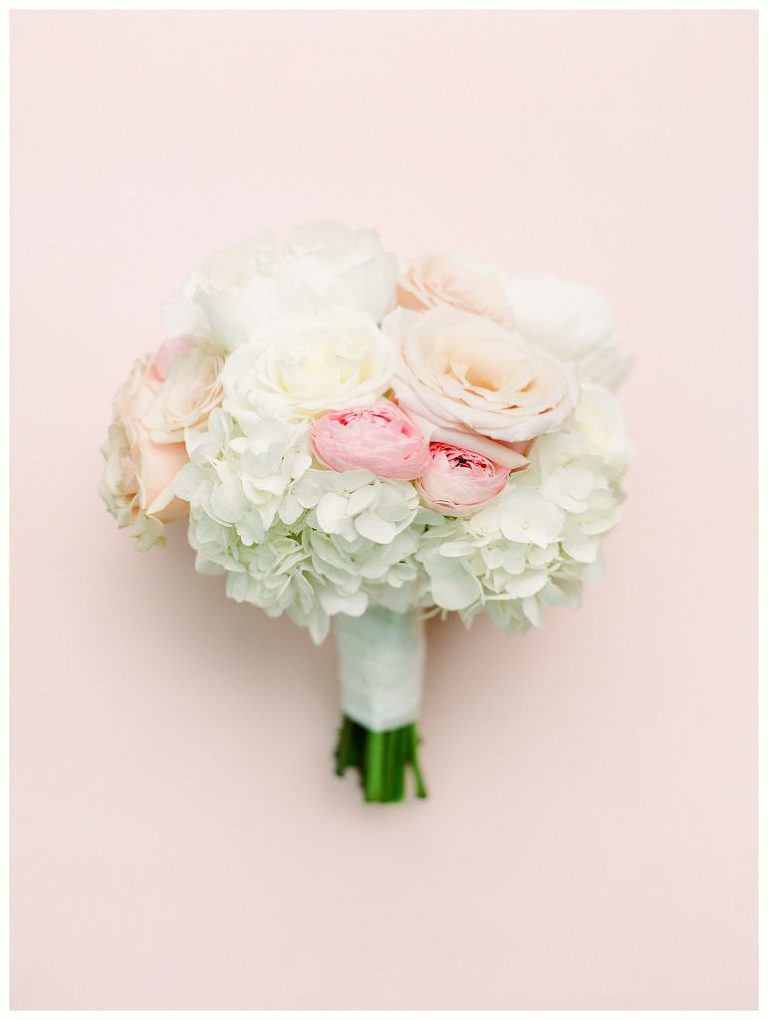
x=295 y=369
x=571 y=320
x=240 y=289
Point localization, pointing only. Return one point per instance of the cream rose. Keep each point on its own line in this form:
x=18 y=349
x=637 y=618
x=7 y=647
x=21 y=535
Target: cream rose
x=297 y=368
x=470 y=382
x=435 y=280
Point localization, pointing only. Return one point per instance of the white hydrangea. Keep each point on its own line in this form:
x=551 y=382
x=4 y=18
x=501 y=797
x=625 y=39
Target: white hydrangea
x=354 y=504
x=243 y=482
x=294 y=538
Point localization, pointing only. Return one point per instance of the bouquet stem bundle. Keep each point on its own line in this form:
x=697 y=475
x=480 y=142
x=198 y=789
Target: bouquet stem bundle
x=382 y=759
x=381 y=667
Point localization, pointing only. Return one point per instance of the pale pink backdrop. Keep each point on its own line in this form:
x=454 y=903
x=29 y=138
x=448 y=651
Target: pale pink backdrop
x=178 y=838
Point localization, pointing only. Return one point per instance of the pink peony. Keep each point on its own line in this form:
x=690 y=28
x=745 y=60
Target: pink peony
x=458 y=482
x=377 y=438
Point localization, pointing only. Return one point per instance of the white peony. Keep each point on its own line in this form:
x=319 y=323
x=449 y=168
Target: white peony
x=242 y=288
x=299 y=367
x=571 y=320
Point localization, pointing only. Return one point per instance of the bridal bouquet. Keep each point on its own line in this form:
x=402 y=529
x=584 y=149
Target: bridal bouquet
x=361 y=446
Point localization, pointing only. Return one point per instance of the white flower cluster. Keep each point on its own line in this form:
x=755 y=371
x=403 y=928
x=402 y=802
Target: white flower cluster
x=540 y=540
x=338 y=374
x=295 y=539
x=312 y=543
x=321 y=265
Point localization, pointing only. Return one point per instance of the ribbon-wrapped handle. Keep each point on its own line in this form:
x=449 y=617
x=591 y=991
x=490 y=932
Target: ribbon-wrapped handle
x=381 y=666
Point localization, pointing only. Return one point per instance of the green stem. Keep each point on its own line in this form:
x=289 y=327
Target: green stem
x=382 y=759
x=373 y=766
x=421 y=789
x=400 y=746
x=344 y=747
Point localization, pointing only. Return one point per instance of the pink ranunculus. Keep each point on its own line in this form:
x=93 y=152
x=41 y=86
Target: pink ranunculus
x=458 y=482
x=377 y=437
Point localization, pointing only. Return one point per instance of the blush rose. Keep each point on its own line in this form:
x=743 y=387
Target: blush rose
x=164 y=394
x=435 y=280
x=185 y=379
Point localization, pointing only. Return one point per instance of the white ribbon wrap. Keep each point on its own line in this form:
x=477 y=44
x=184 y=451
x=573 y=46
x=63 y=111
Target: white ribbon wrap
x=381 y=666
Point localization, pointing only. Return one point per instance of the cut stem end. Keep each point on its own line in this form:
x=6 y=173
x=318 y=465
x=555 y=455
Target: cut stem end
x=382 y=760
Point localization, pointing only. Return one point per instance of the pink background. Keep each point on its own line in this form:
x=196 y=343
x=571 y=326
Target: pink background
x=178 y=838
